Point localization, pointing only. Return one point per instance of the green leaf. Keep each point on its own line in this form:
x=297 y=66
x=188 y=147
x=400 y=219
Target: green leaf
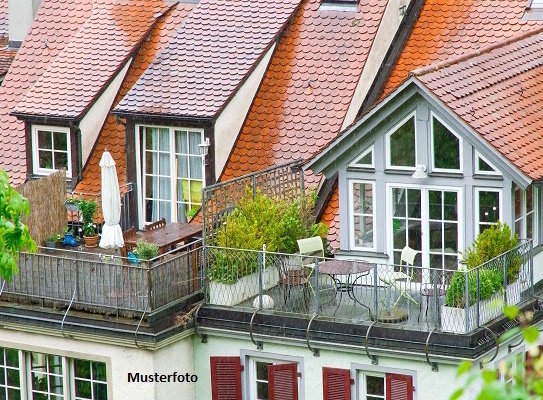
x=464 y=367
x=457 y=394
x=488 y=376
x=538 y=386
x=530 y=334
x=510 y=312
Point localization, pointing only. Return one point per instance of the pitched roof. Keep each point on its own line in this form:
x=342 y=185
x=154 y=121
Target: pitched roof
x=330 y=217
x=307 y=89
x=498 y=92
x=448 y=28
x=99 y=49
x=208 y=58
x=55 y=24
x=112 y=135
x=7 y=55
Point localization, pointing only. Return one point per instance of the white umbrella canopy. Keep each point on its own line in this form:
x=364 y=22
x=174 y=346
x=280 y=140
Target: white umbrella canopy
x=112 y=235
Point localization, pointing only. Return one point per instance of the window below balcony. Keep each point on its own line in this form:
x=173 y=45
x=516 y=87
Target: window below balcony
x=51 y=150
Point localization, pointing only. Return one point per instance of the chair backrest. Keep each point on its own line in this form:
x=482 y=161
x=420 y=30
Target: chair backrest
x=408 y=255
x=312 y=246
x=161 y=223
x=129 y=233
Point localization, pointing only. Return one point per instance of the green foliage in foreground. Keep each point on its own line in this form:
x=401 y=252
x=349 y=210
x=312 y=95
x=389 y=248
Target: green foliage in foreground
x=14 y=235
x=527 y=381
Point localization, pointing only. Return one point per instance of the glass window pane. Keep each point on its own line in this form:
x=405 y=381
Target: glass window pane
x=398 y=225
x=375 y=385
x=12 y=358
x=2 y=375
x=82 y=369
x=164 y=135
x=14 y=394
x=13 y=377
x=451 y=237
x=182 y=167
x=489 y=206
x=413 y=203
x=529 y=200
x=195 y=167
x=435 y=204
x=151 y=138
x=164 y=164
x=262 y=370
x=362 y=198
x=83 y=389
x=398 y=202
x=402 y=145
x=60 y=141
x=181 y=142
x=99 y=371
x=436 y=232
x=446 y=147
x=55 y=364
x=363 y=231
x=46 y=159
x=164 y=211
x=262 y=390
x=530 y=226
x=196 y=192
x=164 y=189
x=518 y=202
x=484 y=166
x=195 y=138
x=100 y=391
x=415 y=235
x=450 y=206
x=45 y=140
x=61 y=160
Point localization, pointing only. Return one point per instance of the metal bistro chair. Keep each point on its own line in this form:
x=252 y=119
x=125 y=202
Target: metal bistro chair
x=400 y=280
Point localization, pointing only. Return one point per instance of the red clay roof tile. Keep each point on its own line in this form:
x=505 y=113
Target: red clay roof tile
x=307 y=89
x=208 y=58
x=498 y=92
x=55 y=24
x=330 y=217
x=90 y=60
x=112 y=136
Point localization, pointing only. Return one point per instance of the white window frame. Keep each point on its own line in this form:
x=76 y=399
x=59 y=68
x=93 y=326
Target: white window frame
x=362 y=386
x=499 y=364
x=478 y=156
x=65 y=375
x=500 y=205
x=524 y=217
x=356 y=162
x=460 y=145
x=536 y=4
x=91 y=380
x=412 y=115
x=252 y=372
x=376 y=370
x=20 y=368
x=140 y=167
x=352 y=182
x=35 y=150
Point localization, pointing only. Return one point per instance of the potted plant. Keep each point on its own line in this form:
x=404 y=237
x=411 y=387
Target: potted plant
x=88 y=209
x=145 y=251
x=69 y=238
x=491 y=243
x=52 y=240
x=72 y=204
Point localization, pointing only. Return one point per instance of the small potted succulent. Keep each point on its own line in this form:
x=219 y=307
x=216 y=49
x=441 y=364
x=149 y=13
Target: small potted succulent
x=72 y=204
x=52 y=240
x=88 y=210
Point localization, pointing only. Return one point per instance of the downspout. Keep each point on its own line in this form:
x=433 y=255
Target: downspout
x=77 y=132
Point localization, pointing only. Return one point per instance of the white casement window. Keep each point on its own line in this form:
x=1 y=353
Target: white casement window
x=10 y=374
x=446 y=147
x=90 y=380
x=484 y=167
x=51 y=149
x=362 y=214
x=511 y=367
x=262 y=371
x=47 y=376
x=488 y=208
x=525 y=213
x=365 y=159
x=171 y=171
x=372 y=386
x=401 y=145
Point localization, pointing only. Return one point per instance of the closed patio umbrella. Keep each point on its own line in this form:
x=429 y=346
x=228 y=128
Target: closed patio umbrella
x=112 y=235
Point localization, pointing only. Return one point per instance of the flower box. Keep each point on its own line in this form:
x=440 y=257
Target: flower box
x=230 y=294
x=453 y=319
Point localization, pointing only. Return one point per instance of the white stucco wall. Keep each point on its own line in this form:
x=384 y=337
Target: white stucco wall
x=92 y=122
x=20 y=17
x=387 y=29
x=229 y=122
x=538 y=267
x=120 y=360
x=425 y=381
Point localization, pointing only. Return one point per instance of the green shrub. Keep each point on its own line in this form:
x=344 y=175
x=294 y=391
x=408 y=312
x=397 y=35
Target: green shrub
x=491 y=282
x=88 y=209
x=145 y=250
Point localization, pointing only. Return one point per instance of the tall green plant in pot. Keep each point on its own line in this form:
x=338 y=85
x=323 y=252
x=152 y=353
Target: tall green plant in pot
x=88 y=210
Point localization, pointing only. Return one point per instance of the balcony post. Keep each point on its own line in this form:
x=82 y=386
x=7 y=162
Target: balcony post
x=531 y=266
x=478 y=288
x=261 y=264
x=504 y=261
x=317 y=297
x=436 y=299
x=150 y=301
x=375 y=293
x=466 y=298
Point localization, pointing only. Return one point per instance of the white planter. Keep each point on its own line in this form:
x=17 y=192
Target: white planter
x=453 y=319
x=231 y=294
x=513 y=292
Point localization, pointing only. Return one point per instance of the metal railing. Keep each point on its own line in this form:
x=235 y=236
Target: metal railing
x=456 y=301
x=105 y=283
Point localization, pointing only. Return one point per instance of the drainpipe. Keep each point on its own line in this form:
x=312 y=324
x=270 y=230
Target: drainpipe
x=77 y=131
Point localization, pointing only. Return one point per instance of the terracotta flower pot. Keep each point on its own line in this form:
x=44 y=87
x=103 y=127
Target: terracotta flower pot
x=91 y=241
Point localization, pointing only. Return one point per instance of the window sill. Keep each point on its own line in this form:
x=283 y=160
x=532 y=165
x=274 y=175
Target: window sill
x=360 y=253
x=489 y=176
x=443 y=174
x=399 y=171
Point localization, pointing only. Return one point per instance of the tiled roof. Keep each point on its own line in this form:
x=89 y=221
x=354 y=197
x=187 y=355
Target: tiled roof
x=7 y=55
x=499 y=93
x=307 y=89
x=4 y=17
x=330 y=217
x=448 y=28
x=215 y=49
x=55 y=24
x=91 y=59
x=112 y=136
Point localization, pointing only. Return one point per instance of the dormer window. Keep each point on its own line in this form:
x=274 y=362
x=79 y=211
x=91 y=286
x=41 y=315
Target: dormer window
x=446 y=148
x=340 y=5
x=401 y=147
x=364 y=160
x=51 y=149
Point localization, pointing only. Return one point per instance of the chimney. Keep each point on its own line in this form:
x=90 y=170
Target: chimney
x=21 y=14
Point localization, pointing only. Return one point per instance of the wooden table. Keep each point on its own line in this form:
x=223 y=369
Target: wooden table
x=167 y=237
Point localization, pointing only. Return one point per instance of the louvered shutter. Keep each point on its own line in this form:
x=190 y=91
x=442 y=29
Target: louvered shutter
x=225 y=378
x=399 y=387
x=336 y=384
x=283 y=382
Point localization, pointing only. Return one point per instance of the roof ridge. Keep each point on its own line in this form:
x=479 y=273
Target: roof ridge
x=466 y=56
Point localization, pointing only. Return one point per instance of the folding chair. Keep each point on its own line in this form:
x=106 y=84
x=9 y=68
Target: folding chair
x=400 y=280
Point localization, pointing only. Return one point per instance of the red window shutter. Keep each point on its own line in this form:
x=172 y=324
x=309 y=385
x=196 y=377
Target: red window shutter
x=336 y=384
x=225 y=378
x=399 y=387
x=283 y=382
x=530 y=360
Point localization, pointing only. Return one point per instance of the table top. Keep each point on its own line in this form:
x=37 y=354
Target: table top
x=344 y=267
x=169 y=235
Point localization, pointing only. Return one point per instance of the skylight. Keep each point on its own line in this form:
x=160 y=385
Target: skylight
x=339 y=5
